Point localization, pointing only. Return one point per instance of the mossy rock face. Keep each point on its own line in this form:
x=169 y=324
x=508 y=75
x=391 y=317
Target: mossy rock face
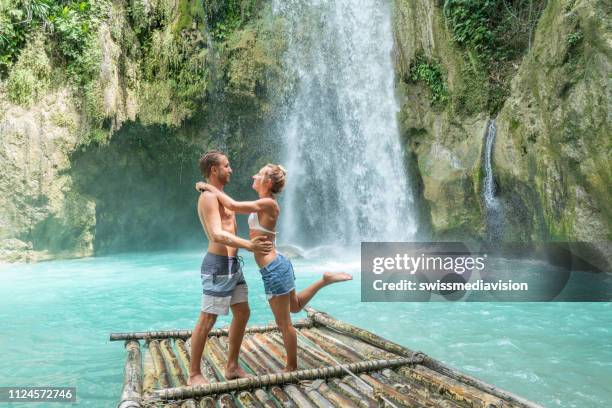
x=444 y=141
x=551 y=154
x=42 y=216
x=554 y=132
x=112 y=159
x=447 y=157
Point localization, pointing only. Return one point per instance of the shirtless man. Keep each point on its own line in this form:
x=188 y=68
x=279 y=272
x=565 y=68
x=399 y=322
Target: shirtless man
x=223 y=283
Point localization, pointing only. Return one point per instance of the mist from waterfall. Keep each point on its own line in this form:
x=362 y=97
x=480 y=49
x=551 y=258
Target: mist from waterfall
x=347 y=180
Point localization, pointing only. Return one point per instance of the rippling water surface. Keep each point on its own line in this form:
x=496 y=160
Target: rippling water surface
x=55 y=318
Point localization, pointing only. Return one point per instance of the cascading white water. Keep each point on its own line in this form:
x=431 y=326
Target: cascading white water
x=493 y=207
x=347 y=180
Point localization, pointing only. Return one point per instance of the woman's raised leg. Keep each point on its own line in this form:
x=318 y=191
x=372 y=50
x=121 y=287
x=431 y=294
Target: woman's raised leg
x=299 y=300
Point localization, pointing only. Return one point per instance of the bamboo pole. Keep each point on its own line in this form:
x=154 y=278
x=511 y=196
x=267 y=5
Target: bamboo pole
x=185 y=334
x=324 y=319
x=150 y=377
x=131 y=396
x=184 y=356
x=178 y=376
x=226 y=401
x=421 y=395
x=337 y=343
x=247 y=400
x=218 y=361
x=291 y=396
x=272 y=349
x=311 y=348
x=368 y=351
x=357 y=332
x=282 y=397
x=420 y=391
x=362 y=401
x=246 y=357
x=332 y=348
x=160 y=365
x=305 y=357
x=276 y=379
x=298 y=397
x=217 y=357
x=274 y=355
x=205 y=366
x=259 y=366
x=316 y=397
x=269 y=363
x=360 y=386
x=175 y=372
x=264 y=398
x=479 y=384
x=457 y=391
x=208 y=402
x=336 y=398
x=390 y=393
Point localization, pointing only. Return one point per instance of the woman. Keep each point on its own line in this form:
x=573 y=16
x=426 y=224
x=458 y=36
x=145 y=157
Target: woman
x=276 y=270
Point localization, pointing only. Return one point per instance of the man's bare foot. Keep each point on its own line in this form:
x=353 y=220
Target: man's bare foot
x=235 y=372
x=196 y=379
x=333 y=277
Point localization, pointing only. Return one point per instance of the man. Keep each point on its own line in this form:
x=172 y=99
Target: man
x=223 y=284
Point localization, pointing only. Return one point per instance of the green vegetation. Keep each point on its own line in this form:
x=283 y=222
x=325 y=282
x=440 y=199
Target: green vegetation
x=470 y=23
x=160 y=50
x=227 y=16
x=16 y=23
x=191 y=15
x=573 y=39
x=493 y=30
x=175 y=76
x=495 y=34
x=67 y=26
x=431 y=74
x=31 y=75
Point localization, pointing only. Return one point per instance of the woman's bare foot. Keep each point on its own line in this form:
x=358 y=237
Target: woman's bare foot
x=196 y=379
x=333 y=277
x=235 y=372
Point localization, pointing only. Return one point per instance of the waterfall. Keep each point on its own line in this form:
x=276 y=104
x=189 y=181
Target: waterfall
x=347 y=180
x=493 y=207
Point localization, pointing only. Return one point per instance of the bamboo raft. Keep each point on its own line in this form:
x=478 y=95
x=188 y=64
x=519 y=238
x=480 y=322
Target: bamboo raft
x=339 y=365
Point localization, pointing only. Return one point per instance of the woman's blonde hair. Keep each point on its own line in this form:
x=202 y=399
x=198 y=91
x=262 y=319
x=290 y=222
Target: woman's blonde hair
x=278 y=175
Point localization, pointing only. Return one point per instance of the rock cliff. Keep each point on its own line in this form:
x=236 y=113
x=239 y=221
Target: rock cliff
x=551 y=157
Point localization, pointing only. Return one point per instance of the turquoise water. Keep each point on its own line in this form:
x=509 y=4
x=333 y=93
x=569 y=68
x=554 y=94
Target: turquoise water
x=55 y=318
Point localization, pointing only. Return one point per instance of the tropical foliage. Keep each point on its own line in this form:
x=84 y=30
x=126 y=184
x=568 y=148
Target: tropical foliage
x=67 y=26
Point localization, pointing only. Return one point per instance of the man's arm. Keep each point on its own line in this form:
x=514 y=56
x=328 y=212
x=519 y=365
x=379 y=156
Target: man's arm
x=208 y=206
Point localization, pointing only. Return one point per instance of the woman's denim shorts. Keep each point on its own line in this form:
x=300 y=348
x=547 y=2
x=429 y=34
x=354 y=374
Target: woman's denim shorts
x=278 y=277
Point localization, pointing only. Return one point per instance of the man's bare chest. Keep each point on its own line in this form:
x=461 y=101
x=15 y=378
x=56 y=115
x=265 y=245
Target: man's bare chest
x=227 y=219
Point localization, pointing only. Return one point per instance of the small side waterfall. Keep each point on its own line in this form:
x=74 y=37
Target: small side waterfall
x=493 y=207
x=347 y=181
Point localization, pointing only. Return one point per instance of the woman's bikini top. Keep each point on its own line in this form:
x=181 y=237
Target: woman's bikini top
x=255 y=225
